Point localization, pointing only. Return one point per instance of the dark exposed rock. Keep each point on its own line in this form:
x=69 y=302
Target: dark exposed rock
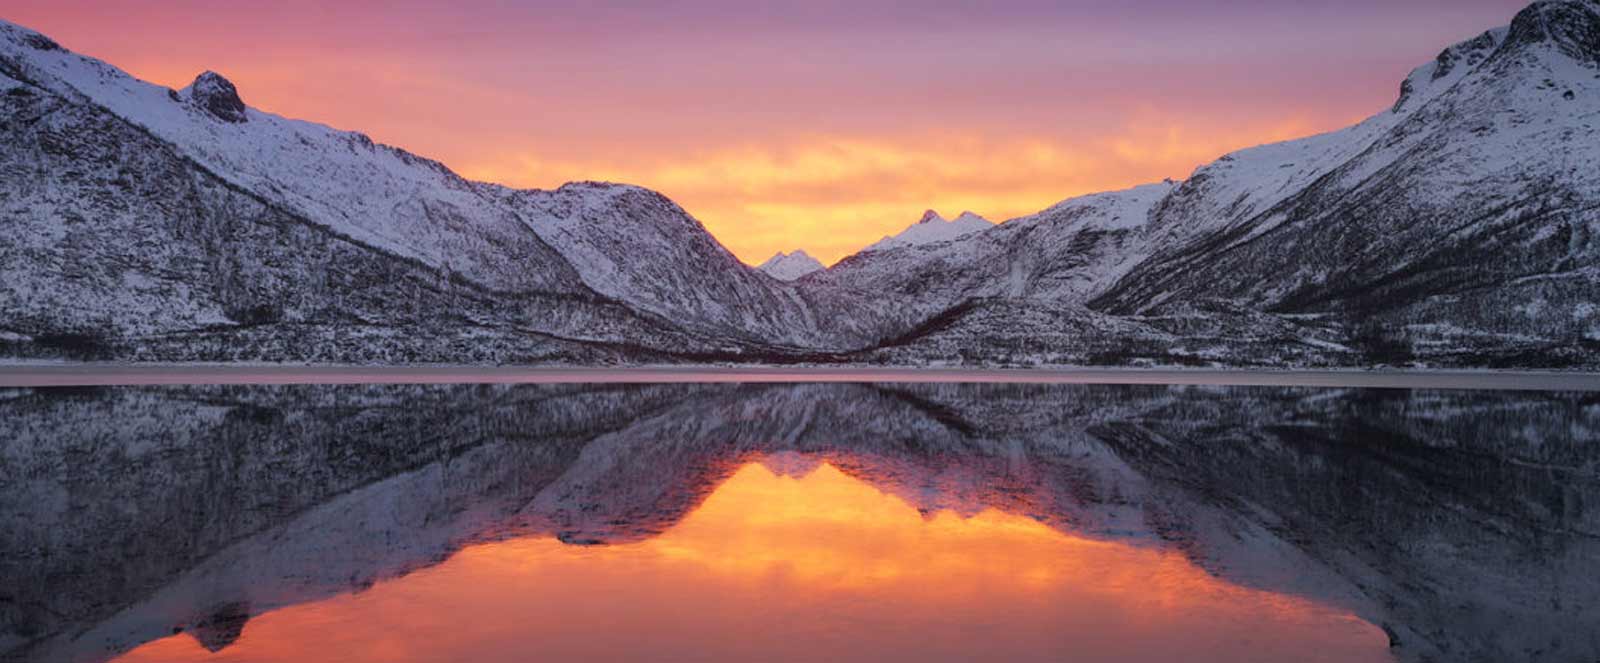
x=1571 y=25
x=1406 y=89
x=1468 y=53
x=41 y=42
x=222 y=627
x=218 y=97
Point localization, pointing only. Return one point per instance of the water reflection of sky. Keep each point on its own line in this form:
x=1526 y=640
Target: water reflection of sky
x=791 y=559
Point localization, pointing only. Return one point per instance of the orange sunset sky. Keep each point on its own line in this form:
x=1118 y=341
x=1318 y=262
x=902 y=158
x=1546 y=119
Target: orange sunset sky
x=817 y=125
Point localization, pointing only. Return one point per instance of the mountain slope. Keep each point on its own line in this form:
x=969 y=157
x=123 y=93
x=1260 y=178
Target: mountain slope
x=1467 y=221
x=375 y=194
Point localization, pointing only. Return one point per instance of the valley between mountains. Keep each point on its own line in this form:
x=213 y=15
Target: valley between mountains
x=1457 y=228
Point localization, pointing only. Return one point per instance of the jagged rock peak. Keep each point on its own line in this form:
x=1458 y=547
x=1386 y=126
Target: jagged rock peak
x=790 y=266
x=1450 y=65
x=930 y=216
x=1468 y=53
x=1570 y=25
x=217 y=96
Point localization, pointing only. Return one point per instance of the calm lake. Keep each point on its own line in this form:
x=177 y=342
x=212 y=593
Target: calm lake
x=776 y=520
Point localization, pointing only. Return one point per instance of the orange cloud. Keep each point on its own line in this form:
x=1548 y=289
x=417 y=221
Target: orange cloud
x=833 y=194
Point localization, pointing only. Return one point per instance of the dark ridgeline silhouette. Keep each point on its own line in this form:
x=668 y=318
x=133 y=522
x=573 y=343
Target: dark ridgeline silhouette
x=195 y=507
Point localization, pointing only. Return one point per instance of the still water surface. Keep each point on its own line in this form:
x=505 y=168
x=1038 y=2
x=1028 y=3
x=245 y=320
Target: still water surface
x=819 y=566
x=441 y=522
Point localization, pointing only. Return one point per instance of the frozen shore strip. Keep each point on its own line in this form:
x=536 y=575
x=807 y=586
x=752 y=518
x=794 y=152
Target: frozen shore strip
x=71 y=374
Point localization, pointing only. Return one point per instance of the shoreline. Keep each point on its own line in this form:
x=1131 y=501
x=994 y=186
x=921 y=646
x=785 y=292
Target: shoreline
x=70 y=374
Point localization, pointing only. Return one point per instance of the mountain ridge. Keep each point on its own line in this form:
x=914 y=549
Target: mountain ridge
x=1433 y=233
x=932 y=228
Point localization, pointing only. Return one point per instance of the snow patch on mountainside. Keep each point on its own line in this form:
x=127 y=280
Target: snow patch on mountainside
x=1127 y=208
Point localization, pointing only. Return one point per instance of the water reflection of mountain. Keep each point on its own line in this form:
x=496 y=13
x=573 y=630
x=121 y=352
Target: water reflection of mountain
x=1462 y=522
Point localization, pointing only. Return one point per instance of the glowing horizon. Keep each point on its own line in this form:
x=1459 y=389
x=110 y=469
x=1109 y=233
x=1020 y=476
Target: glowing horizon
x=822 y=127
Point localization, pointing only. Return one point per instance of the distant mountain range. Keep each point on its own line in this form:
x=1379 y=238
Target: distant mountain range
x=933 y=229
x=790 y=266
x=1456 y=229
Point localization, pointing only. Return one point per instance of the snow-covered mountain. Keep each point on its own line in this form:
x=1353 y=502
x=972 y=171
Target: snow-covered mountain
x=1455 y=228
x=1466 y=217
x=182 y=224
x=933 y=229
x=790 y=266
x=1059 y=255
x=639 y=248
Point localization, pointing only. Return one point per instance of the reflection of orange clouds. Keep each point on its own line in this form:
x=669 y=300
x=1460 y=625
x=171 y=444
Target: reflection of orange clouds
x=822 y=567
x=832 y=195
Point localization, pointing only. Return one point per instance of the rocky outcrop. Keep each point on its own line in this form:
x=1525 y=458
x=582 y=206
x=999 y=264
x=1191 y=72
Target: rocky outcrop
x=217 y=96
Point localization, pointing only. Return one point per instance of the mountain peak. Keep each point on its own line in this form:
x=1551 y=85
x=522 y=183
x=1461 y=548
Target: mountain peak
x=790 y=266
x=1573 y=26
x=932 y=229
x=1449 y=66
x=217 y=96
